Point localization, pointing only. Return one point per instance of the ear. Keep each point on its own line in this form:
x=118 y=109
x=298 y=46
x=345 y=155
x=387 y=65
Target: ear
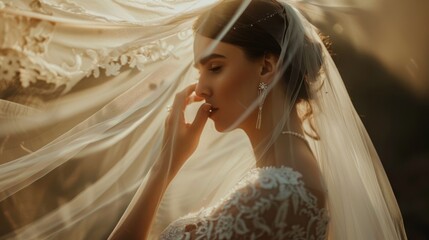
x=269 y=66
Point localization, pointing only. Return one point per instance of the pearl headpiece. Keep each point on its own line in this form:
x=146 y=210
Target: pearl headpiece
x=260 y=20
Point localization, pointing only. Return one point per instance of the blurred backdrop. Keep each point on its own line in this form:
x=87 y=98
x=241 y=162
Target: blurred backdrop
x=390 y=90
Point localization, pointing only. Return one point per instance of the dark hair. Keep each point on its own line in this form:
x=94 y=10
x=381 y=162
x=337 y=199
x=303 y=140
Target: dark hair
x=255 y=31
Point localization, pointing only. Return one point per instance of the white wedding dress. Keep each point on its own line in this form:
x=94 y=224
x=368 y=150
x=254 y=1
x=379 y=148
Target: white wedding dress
x=85 y=86
x=268 y=203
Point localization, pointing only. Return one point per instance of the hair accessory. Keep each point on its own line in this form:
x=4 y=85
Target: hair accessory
x=262 y=93
x=259 y=20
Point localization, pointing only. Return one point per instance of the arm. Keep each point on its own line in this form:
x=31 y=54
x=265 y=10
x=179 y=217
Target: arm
x=180 y=141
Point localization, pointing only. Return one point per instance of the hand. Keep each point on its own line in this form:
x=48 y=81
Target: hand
x=181 y=138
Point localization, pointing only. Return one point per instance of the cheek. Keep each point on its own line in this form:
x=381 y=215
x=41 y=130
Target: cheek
x=239 y=89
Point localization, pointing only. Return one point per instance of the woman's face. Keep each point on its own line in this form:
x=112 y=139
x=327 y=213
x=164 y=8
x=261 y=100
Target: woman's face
x=228 y=81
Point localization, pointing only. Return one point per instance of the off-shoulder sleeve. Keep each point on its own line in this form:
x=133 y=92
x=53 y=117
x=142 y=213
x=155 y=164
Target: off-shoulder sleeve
x=270 y=203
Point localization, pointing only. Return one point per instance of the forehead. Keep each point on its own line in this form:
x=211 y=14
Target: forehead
x=204 y=46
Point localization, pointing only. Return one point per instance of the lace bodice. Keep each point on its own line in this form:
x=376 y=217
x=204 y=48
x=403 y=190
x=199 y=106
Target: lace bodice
x=268 y=203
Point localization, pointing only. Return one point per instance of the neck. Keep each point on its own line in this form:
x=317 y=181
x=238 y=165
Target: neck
x=271 y=151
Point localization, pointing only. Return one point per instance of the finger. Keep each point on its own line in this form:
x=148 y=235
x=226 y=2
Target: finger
x=167 y=120
x=201 y=118
x=194 y=98
x=180 y=104
x=179 y=100
x=198 y=98
x=189 y=95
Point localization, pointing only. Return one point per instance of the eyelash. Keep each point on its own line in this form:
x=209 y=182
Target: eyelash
x=215 y=69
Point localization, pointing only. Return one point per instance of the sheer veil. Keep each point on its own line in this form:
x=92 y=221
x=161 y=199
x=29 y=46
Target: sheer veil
x=82 y=117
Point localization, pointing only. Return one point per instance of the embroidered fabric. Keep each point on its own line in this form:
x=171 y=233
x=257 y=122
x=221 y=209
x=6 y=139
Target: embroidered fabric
x=70 y=169
x=268 y=203
x=40 y=60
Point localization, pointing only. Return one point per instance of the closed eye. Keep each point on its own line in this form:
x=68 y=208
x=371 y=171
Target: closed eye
x=215 y=69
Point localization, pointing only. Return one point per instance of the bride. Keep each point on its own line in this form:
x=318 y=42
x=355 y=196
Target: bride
x=265 y=145
x=256 y=74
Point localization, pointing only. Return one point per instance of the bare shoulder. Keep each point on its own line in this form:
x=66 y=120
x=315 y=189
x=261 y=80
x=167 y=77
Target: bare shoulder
x=306 y=164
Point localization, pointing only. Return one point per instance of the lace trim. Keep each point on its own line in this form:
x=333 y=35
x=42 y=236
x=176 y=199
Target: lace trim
x=24 y=45
x=262 y=205
x=135 y=58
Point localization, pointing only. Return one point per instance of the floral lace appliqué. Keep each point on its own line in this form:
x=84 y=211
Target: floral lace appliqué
x=269 y=203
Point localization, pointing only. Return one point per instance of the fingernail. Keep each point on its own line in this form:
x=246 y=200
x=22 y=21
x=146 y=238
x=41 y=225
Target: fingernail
x=207 y=107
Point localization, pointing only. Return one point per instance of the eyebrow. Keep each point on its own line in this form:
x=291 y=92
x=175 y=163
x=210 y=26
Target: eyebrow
x=205 y=59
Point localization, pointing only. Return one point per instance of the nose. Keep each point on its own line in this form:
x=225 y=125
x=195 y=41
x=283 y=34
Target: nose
x=202 y=89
